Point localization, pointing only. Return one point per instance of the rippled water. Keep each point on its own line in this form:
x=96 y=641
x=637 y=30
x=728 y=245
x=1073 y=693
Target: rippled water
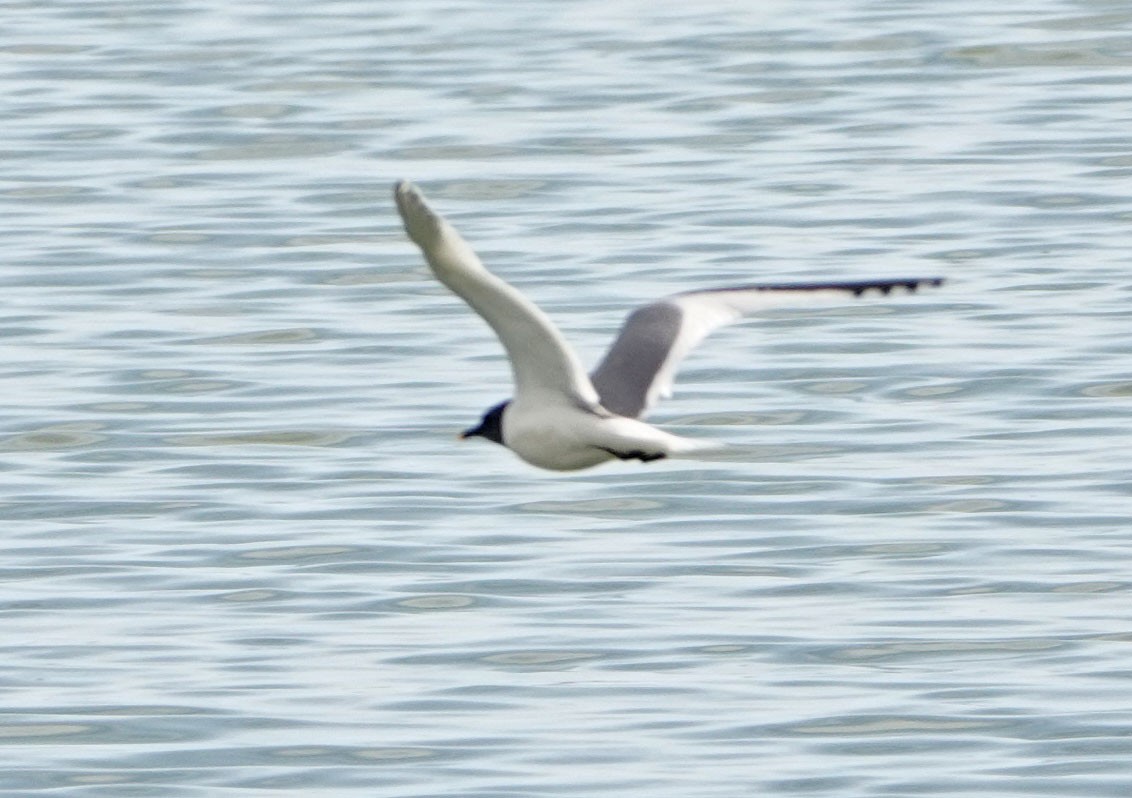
x=243 y=554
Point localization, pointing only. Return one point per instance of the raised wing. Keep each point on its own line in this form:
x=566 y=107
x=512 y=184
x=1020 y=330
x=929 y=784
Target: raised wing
x=641 y=364
x=542 y=363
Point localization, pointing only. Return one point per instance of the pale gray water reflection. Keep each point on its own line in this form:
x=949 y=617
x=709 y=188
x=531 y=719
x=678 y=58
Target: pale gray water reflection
x=245 y=555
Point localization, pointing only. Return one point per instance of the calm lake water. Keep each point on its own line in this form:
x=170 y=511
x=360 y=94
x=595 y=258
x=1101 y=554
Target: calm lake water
x=243 y=554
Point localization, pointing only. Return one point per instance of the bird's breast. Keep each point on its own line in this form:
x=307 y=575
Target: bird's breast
x=559 y=437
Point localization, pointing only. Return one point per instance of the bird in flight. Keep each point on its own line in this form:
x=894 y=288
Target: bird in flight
x=563 y=419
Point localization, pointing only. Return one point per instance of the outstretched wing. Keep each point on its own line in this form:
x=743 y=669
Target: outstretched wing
x=641 y=364
x=542 y=363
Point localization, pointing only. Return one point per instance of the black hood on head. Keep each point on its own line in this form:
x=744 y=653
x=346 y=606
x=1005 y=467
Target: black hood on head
x=490 y=426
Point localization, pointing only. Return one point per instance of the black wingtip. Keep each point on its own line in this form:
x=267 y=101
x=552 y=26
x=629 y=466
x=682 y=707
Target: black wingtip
x=855 y=287
x=886 y=286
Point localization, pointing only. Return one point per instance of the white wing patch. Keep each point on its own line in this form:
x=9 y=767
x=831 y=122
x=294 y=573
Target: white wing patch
x=542 y=363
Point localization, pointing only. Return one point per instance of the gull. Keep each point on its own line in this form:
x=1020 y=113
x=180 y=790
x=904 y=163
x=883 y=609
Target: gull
x=562 y=419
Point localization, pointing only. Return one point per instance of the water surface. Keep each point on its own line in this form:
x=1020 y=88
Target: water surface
x=244 y=554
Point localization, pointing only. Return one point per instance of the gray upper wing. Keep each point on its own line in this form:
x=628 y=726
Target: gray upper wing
x=626 y=374
x=640 y=365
